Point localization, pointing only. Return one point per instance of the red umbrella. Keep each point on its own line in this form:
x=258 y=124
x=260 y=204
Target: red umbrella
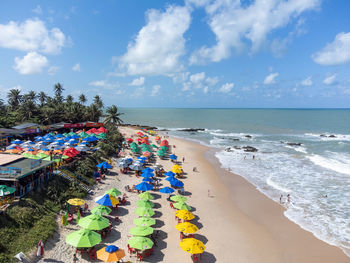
x=71 y=152
x=138 y=139
x=40 y=249
x=145 y=141
x=93 y=130
x=129 y=140
x=140 y=134
x=164 y=143
x=102 y=129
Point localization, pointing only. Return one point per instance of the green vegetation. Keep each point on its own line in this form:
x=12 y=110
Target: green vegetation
x=42 y=109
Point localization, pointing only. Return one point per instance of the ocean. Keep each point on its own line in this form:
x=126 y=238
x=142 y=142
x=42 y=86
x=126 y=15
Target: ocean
x=301 y=152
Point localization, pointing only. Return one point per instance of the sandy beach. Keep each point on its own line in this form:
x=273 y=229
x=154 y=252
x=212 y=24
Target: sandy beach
x=236 y=222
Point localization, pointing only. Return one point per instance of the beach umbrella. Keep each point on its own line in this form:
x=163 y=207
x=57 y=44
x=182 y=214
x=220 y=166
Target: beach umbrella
x=42 y=155
x=136 y=167
x=147 y=175
x=142 y=158
x=83 y=134
x=107 y=200
x=170 y=173
x=113 y=191
x=146 y=196
x=122 y=164
x=104 y=165
x=31 y=156
x=144 y=221
x=39 y=138
x=143 y=186
x=141 y=231
x=167 y=190
x=148 y=180
x=176 y=169
x=192 y=245
x=178 y=198
x=101 y=209
x=170 y=178
x=160 y=154
x=82 y=148
x=83 y=238
x=75 y=136
x=17 y=142
x=187 y=228
x=64 y=156
x=76 y=201
x=102 y=136
x=5 y=190
x=140 y=243
x=176 y=183
x=147 y=170
x=110 y=253
x=59 y=136
x=182 y=206
x=154 y=146
x=184 y=214
x=143 y=211
x=94 y=222
x=90 y=139
x=145 y=203
x=173 y=157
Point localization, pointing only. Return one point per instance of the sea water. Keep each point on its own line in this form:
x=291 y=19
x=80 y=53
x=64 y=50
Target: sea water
x=316 y=173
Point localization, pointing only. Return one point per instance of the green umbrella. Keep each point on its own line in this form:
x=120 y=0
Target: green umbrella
x=144 y=221
x=160 y=153
x=65 y=134
x=154 y=146
x=163 y=148
x=145 y=203
x=143 y=211
x=94 y=222
x=178 y=198
x=52 y=133
x=64 y=156
x=101 y=209
x=146 y=196
x=133 y=144
x=41 y=155
x=83 y=134
x=141 y=243
x=5 y=190
x=182 y=206
x=141 y=231
x=31 y=156
x=101 y=136
x=135 y=150
x=113 y=191
x=28 y=155
x=71 y=134
x=83 y=238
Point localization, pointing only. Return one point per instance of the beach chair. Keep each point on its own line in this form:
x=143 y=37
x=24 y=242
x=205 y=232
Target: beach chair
x=171 y=205
x=195 y=258
x=92 y=253
x=139 y=257
x=70 y=218
x=131 y=250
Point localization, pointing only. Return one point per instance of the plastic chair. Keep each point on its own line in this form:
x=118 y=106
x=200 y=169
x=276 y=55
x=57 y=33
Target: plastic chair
x=139 y=257
x=131 y=250
x=70 y=218
x=172 y=206
x=92 y=253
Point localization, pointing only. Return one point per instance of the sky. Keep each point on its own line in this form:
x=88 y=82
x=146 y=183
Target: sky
x=189 y=53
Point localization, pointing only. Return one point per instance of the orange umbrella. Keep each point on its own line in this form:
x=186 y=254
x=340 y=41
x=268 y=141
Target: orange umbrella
x=158 y=138
x=146 y=154
x=14 y=151
x=110 y=253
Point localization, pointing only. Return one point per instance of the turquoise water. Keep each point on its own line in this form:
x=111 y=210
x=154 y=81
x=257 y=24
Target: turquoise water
x=315 y=173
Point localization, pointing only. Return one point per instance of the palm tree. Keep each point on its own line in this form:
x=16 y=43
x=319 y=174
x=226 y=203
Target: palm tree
x=69 y=99
x=31 y=95
x=113 y=116
x=93 y=113
x=58 y=92
x=82 y=99
x=27 y=110
x=98 y=101
x=42 y=98
x=14 y=98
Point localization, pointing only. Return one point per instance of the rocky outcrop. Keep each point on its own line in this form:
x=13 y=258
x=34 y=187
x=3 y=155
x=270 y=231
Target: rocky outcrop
x=328 y=136
x=249 y=149
x=191 y=129
x=248 y=136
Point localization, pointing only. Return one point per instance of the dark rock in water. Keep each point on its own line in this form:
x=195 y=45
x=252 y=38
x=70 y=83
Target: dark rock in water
x=250 y=149
x=235 y=139
x=192 y=130
x=294 y=143
x=163 y=130
x=237 y=147
x=192 y=133
x=248 y=136
x=228 y=149
x=332 y=136
x=323 y=135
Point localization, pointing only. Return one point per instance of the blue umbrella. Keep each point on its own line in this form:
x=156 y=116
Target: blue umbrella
x=111 y=248
x=140 y=161
x=167 y=190
x=147 y=180
x=30 y=150
x=105 y=200
x=17 y=142
x=11 y=148
x=75 y=136
x=147 y=175
x=45 y=149
x=173 y=157
x=143 y=186
x=59 y=136
x=142 y=158
x=104 y=165
x=170 y=178
x=30 y=142
x=176 y=183
x=147 y=170
x=90 y=139
x=83 y=143
x=73 y=141
x=60 y=141
x=170 y=173
x=39 y=138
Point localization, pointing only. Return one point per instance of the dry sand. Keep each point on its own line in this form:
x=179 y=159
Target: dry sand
x=236 y=222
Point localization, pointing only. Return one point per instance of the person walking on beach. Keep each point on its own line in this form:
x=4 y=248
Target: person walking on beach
x=288 y=198
x=183 y=159
x=281 y=199
x=75 y=259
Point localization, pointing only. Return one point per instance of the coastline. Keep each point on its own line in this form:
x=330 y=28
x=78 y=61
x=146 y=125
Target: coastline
x=260 y=221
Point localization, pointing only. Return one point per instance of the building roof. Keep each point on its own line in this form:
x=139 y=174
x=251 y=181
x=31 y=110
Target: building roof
x=24 y=167
x=6 y=158
x=25 y=125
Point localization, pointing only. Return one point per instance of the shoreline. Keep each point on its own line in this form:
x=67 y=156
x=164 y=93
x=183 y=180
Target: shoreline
x=291 y=242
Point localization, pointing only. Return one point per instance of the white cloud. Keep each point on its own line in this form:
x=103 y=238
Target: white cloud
x=52 y=70
x=226 y=88
x=155 y=90
x=159 y=45
x=212 y=81
x=97 y=83
x=197 y=78
x=37 y=10
x=30 y=64
x=330 y=80
x=31 y=35
x=76 y=67
x=307 y=82
x=234 y=23
x=270 y=79
x=335 y=53
x=205 y=89
x=138 y=82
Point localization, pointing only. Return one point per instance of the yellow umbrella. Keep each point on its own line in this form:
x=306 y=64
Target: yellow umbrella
x=192 y=245
x=187 y=228
x=184 y=214
x=110 y=253
x=76 y=201
x=176 y=169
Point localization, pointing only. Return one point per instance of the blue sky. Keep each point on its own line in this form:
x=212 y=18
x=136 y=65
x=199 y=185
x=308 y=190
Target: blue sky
x=190 y=53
